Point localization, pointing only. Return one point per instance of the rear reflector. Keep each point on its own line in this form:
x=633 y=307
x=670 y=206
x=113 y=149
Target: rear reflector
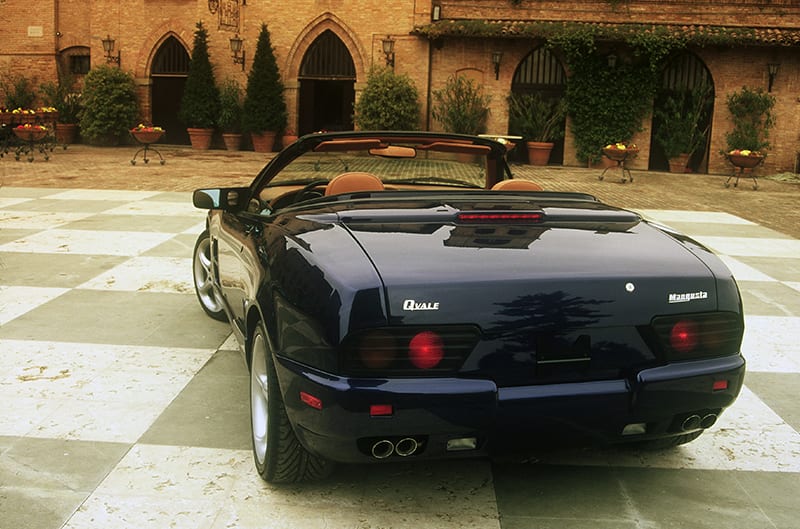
x=500 y=217
x=311 y=400
x=719 y=385
x=380 y=410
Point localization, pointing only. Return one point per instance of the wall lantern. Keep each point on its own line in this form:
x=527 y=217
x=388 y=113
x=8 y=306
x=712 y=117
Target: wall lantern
x=108 y=47
x=388 y=50
x=436 y=14
x=238 y=52
x=497 y=56
x=772 y=71
x=612 y=60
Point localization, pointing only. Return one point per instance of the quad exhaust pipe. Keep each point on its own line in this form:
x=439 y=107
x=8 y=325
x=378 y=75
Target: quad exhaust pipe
x=404 y=447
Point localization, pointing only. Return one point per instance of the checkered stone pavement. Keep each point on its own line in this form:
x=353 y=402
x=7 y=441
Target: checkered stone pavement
x=124 y=406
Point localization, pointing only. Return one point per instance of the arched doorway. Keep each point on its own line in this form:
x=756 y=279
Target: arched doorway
x=540 y=72
x=327 y=86
x=686 y=82
x=168 y=75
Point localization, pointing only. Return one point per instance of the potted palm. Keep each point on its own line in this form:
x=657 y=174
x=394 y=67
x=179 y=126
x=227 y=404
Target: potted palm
x=678 y=132
x=264 y=107
x=200 y=102
x=62 y=96
x=230 y=113
x=461 y=106
x=539 y=120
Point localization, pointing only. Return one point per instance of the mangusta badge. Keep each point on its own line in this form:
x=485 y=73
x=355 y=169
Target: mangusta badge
x=412 y=305
x=687 y=296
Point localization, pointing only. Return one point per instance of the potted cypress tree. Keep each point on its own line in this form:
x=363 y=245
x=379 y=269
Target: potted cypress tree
x=230 y=113
x=264 y=107
x=200 y=102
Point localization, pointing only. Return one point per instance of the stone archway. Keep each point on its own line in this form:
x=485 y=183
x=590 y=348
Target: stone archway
x=326 y=79
x=540 y=72
x=169 y=69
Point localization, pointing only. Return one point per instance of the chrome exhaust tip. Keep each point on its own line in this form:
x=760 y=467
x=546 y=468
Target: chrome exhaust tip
x=692 y=422
x=708 y=420
x=382 y=449
x=406 y=447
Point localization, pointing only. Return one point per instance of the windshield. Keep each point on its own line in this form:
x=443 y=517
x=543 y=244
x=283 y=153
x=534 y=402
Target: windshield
x=426 y=167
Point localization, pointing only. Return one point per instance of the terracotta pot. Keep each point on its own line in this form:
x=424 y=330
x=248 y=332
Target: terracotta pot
x=539 y=152
x=264 y=141
x=288 y=139
x=233 y=140
x=678 y=164
x=200 y=138
x=66 y=133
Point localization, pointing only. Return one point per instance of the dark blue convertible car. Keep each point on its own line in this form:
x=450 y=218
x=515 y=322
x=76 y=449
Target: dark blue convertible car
x=400 y=295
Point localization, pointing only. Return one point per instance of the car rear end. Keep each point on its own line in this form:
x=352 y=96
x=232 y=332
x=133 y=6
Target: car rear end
x=574 y=323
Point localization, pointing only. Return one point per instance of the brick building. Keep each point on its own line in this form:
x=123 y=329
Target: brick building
x=325 y=49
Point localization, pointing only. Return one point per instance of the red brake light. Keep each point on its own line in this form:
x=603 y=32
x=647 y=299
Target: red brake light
x=426 y=350
x=503 y=217
x=684 y=337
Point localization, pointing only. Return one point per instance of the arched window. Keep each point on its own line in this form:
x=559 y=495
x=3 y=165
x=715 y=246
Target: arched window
x=327 y=58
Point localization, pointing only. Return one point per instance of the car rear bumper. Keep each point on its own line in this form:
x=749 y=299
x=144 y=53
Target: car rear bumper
x=443 y=415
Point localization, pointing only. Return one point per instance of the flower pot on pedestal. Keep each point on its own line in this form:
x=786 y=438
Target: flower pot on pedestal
x=200 y=138
x=539 y=152
x=263 y=141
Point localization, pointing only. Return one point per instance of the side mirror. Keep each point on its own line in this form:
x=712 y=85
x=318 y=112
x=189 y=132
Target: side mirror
x=231 y=199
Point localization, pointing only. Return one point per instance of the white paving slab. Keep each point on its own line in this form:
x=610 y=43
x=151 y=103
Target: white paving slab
x=146 y=274
x=87 y=242
x=17 y=300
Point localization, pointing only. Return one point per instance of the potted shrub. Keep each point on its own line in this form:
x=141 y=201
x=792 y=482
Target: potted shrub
x=389 y=102
x=109 y=107
x=200 y=102
x=678 y=133
x=230 y=113
x=61 y=96
x=751 y=111
x=461 y=106
x=264 y=107
x=539 y=120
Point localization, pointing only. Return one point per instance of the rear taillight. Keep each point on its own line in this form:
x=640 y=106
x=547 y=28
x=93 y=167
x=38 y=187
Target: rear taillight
x=426 y=350
x=407 y=351
x=690 y=336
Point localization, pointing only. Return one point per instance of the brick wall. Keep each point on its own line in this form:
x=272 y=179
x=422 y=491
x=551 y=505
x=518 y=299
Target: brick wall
x=30 y=38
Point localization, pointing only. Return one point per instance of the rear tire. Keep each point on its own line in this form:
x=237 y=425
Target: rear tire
x=203 y=274
x=278 y=455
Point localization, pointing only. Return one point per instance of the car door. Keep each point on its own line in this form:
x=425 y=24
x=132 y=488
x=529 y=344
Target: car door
x=239 y=269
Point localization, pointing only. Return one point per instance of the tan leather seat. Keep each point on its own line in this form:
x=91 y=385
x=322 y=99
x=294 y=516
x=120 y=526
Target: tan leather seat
x=353 y=182
x=516 y=185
